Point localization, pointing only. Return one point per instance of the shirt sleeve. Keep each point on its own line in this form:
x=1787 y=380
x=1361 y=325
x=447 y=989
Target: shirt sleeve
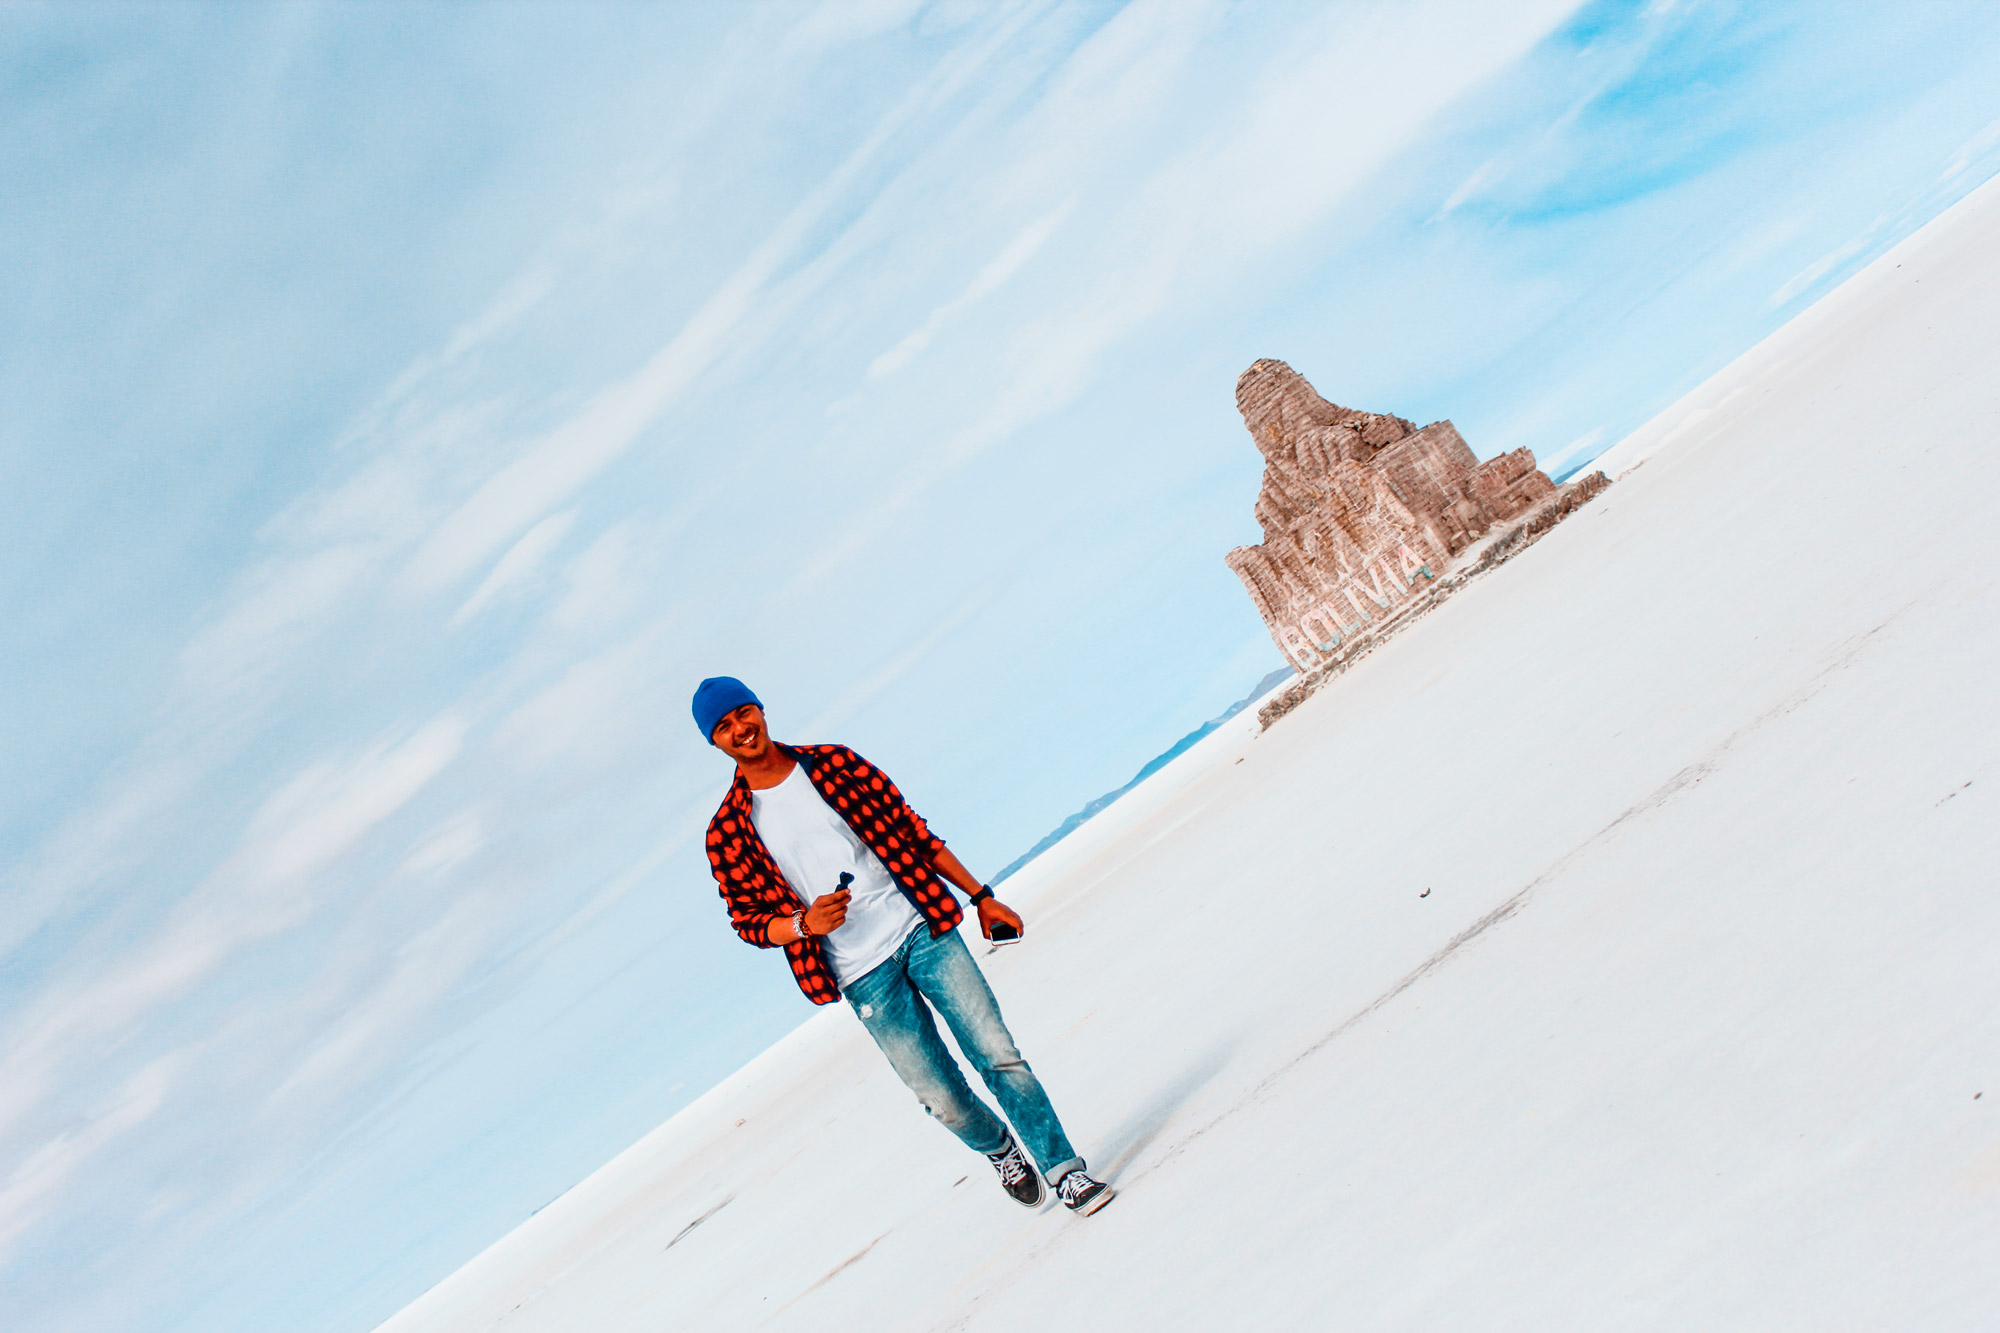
x=752 y=901
x=918 y=832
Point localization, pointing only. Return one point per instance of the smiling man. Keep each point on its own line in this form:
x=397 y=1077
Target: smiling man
x=818 y=854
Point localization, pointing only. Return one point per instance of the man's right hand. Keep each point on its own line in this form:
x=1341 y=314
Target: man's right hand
x=827 y=912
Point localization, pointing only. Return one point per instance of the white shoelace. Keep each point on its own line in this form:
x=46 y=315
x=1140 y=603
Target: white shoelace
x=1012 y=1168
x=1072 y=1185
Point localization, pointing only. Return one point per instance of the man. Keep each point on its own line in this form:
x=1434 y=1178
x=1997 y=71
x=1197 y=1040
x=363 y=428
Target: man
x=817 y=853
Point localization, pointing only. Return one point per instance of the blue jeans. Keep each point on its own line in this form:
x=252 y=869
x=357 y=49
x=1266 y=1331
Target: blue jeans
x=891 y=1002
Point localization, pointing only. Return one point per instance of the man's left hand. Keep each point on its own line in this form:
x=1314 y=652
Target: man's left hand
x=992 y=911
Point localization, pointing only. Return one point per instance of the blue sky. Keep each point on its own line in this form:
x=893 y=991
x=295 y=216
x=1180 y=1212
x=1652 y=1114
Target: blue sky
x=401 y=407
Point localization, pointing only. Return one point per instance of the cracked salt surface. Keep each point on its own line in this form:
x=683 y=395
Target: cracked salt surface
x=1692 y=1033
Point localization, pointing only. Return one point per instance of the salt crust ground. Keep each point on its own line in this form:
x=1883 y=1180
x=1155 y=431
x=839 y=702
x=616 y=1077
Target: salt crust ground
x=1686 y=1033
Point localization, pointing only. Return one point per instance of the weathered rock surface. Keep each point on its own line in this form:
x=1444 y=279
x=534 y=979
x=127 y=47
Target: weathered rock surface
x=1365 y=519
x=1510 y=542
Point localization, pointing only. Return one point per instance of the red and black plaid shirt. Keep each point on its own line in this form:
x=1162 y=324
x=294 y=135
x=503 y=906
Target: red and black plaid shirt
x=755 y=889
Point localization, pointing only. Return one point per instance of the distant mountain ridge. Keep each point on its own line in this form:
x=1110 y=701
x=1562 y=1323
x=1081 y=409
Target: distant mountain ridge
x=1154 y=765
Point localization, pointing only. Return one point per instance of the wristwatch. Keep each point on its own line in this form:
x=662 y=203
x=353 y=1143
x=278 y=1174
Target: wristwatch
x=985 y=892
x=799 y=924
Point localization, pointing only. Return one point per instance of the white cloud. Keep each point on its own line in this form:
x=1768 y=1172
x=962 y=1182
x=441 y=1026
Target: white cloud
x=1582 y=444
x=446 y=846
x=428 y=965
x=506 y=310
x=1470 y=186
x=1976 y=149
x=97 y=845
x=869 y=687
x=563 y=460
x=324 y=811
x=832 y=23
x=1812 y=274
x=522 y=562
x=279 y=609
x=264 y=887
x=38 y=1178
x=601 y=585
x=587 y=709
x=1011 y=259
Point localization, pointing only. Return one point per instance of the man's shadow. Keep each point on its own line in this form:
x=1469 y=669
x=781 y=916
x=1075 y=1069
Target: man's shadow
x=1126 y=1142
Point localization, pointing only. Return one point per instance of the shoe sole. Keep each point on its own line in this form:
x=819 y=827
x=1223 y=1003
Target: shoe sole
x=1097 y=1201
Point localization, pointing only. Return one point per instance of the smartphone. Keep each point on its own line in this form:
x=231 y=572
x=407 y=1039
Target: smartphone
x=1004 y=934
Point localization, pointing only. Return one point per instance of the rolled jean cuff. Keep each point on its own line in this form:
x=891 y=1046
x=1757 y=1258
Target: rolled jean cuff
x=1061 y=1169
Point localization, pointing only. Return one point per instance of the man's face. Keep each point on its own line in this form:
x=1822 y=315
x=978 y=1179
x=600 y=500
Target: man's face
x=741 y=734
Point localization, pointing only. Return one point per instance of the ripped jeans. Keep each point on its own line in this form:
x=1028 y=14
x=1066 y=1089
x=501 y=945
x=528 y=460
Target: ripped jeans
x=891 y=999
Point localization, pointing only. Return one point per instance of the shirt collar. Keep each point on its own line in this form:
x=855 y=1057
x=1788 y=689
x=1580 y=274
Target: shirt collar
x=739 y=788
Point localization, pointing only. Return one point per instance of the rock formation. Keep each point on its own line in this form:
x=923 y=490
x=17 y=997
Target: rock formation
x=1360 y=511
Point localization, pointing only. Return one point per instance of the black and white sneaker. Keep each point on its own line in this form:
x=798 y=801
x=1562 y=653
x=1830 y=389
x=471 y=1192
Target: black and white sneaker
x=1082 y=1195
x=1021 y=1181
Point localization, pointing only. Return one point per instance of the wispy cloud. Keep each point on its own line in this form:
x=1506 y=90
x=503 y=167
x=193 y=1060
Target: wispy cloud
x=1586 y=445
x=38 y=1179
x=562 y=461
x=269 y=883
x=523 y=560
x=1979 y=150
x=987 y=281
x=1839 y=257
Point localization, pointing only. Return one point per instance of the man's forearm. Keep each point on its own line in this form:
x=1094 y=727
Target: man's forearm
x=954 y=870
x=991 y=910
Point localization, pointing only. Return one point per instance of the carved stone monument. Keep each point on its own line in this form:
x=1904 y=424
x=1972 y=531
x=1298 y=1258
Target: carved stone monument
x=1363 y=513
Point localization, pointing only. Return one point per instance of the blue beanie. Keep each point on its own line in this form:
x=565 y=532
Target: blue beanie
x=716 y=698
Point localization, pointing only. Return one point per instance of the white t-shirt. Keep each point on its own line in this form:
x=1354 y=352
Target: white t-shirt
x=812 y=844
